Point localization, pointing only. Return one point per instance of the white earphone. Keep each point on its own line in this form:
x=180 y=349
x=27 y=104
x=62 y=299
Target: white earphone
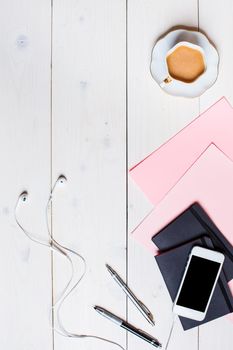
x=23 y=197
x=62 y=179
x=67 y=252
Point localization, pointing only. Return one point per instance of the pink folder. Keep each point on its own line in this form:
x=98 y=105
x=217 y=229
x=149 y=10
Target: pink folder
x=209 y=181
x=161 y=170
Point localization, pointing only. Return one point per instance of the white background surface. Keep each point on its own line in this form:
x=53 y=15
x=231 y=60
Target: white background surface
x=76 y=97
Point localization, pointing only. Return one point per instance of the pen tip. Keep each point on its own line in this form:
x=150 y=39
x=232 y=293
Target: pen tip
x=94 y=307
x=110 y=269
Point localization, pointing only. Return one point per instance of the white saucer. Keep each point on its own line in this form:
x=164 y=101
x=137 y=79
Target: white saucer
x=159 y=66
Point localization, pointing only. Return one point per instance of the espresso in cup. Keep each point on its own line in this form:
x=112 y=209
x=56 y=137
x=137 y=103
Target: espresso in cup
x=185 y=63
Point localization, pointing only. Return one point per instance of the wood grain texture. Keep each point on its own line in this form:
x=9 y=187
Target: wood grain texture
x=25 y=291
x=89 y=146
x=89 y=115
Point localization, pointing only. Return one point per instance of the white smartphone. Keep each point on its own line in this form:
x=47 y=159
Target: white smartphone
x=198 y=283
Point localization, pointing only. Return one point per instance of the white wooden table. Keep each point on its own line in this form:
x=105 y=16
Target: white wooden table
x=76 y=97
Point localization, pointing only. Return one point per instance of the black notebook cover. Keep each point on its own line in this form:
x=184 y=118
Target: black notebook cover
x=191 y=224
x=172 y=266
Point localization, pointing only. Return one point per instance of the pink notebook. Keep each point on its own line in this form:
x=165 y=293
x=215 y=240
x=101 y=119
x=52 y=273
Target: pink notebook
x=161 y=170
x=209 y=181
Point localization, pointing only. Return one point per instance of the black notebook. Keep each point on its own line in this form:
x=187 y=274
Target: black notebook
x=191 y=224
x=172 y=266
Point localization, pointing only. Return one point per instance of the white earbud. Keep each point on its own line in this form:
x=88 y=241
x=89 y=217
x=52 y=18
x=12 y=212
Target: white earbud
x=23 y=197
x=61 y=180
x=55 y=246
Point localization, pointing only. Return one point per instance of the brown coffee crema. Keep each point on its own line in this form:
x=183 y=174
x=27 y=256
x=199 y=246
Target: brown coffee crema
x=185 y=64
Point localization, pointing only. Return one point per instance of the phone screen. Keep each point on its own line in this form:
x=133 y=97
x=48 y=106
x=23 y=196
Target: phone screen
x=198 y=283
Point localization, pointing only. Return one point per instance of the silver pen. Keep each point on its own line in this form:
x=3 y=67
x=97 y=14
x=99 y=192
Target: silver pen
x=138 y=332
x=139 y=305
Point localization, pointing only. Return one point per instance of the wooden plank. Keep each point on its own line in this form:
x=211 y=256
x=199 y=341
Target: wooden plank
x=25 y=291
x=89 y=128
x=218 y=334
x=153 y=117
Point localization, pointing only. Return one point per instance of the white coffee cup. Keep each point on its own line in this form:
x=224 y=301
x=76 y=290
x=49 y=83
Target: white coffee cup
x=166 y=45
x=169 y=78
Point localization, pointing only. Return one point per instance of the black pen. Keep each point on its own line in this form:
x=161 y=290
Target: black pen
x=139 y=333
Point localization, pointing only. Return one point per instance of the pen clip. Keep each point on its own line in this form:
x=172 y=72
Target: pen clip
x=153 y=341
x=147 y=311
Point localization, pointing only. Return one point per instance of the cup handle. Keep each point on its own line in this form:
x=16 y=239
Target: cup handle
x=166 y=81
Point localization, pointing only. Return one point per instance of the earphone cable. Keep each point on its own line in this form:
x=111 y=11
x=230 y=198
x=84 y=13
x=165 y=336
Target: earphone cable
x=171 y=331
x=55 y=246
